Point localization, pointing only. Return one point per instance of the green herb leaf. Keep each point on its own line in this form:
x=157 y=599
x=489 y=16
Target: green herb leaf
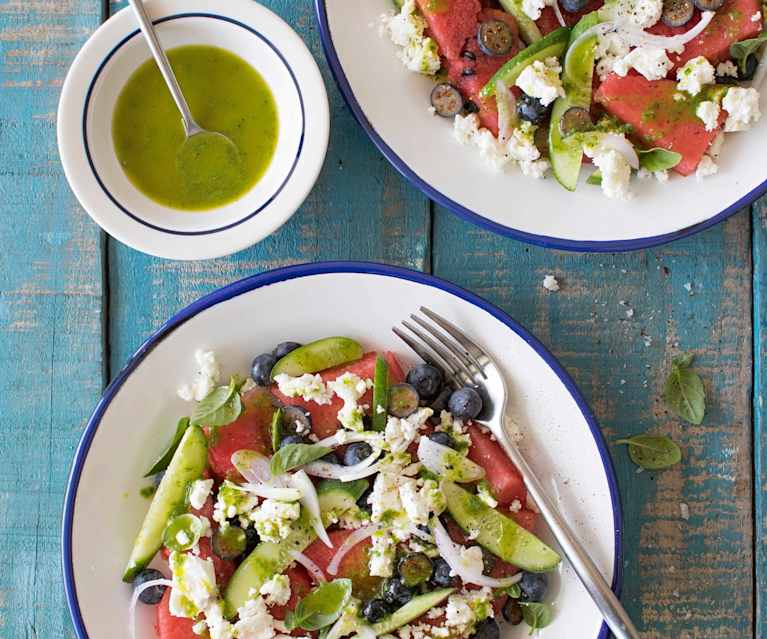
x=276 y=430
x=514 y=591
x=380 y=394
x=658 y=159
x=221 y=406
x=652 y=452
x=536 y=615
x=740 y=51
x=683 y=392
x=595 y=178
x=162 y=463
x=321 y=607
x=295 y=455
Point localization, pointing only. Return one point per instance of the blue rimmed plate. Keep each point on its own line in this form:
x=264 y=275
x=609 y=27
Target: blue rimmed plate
x=391 y=104
x=135 y=417
x=94 y=83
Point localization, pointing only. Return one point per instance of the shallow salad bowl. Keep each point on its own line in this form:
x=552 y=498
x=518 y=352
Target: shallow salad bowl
x=138 y=413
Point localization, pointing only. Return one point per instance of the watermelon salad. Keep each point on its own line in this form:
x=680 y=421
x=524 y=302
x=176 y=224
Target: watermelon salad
x=330 y=494
x=632 y=87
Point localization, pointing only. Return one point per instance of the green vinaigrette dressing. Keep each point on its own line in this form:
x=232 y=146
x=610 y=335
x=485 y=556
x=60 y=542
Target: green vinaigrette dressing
x=226 y=95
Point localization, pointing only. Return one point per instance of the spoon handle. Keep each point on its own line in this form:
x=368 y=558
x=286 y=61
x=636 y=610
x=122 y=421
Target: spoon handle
x=147 y=28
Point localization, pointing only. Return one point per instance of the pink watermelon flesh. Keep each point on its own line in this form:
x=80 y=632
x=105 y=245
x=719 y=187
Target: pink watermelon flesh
x=548 y=21
x=170 y=627
x=451 y=23
x=505 y=481
x=657 y=119
x=325 y=416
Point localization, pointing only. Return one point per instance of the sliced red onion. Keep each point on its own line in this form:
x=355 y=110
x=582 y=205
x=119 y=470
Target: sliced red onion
x=506 y=104
x=417 y=532
x=620 y=144
x=270 y=492
x=134 y=600
x=326 y=470
x=451 y=553
x=434 y=457
x=341 y=438
x=311 y=502
x=314 y=570
x=253 y=466
x=350 y=542
x=635 y=35
x=558 y=13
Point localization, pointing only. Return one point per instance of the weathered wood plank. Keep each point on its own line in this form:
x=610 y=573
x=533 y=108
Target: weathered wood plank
x=50 y=311
x=359 y=209
x=683 y=579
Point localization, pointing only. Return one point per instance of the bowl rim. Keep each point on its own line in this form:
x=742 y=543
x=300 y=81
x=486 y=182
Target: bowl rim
x=545 y=241
x=253 y=282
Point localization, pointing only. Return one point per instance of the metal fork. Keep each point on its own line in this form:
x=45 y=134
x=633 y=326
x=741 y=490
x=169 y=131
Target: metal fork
x=442 y=344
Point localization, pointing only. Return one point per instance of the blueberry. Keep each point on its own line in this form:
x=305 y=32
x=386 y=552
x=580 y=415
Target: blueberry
x=426 y=379
x=375 y=610
x=573 y=6
x=251 y=540
x=442 y=438
x=396 y=593
x=531 y=109
x=331 y=458
x=751 y=65
x=512 y=612
x=440 y=574
x=283 y=348
x=470 y=107
x=356 y=452
x=261 y=369
x=414 y=569
x=533 y=586
x=487 y=629
x=440 y=402
x=292 y=439
x=725 y=79
x=465 y=403
x=295 y=420
x=152 y=595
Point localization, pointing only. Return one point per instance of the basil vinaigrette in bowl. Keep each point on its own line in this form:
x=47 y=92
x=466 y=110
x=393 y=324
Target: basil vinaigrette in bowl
x=226 y=95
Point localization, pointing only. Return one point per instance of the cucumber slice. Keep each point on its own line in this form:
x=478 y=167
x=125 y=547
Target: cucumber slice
x=162 y=463
x=413 y=609
x=553 y=45
x=276 y=430
x=187 y=465
x=527 y=27
x=317 y=356
x=566 y=154
x=499 y=534
x=339 y=498
x=380 y=394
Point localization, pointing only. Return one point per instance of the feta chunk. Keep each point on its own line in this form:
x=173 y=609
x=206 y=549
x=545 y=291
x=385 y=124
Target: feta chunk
x=309 y=387
x=694 y=74
x=521 y=145
x=706 y=167
x=400 y=432
x=643 y=13
x=458 y=613
x=199 y=491
x=276 y=590
x=616 y=171
x=708 y=112
x=465 y=128
x=742 y=106
x=533 y=8
x=491 y=150
x=541 y=80
x=206 y=377
x=273 y=519
x=611 y=47
x=350 y=388
x=534 y=168
x=231 y=502
x=651 y=62
x=550 y=283
x=419 y=53
x=384 y=499
x=727 y=69
x=194 y=585
x=254 y=622
x=382 y=552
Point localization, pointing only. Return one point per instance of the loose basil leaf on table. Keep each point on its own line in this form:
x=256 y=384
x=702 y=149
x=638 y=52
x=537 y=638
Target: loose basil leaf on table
x=652 y=452
x=740 y=51
x=220 y=407
x=321 y=607
x=295 y=455
x=683 y=392
x=162 y=463
x=536 y=615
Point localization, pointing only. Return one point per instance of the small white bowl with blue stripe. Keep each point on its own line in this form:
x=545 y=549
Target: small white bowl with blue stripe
x=101 y=70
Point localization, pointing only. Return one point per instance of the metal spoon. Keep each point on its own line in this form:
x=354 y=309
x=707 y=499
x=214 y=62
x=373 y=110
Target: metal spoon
x=199 y=141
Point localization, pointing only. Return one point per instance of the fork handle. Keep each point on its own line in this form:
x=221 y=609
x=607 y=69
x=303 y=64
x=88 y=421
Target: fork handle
x=613 y=612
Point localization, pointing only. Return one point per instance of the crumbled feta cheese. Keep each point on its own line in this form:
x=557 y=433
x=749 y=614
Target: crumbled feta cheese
x=309 y=387
x=455 y=428
x=727 y=69
x=611 y=47
x=382 y=552
x=660 y=176
x=400 y=432
x=535 y=169
x=350 y=388
x=483 y=492
x=515 y=506
x=273 y=519
x=651 y=62
x=742 y=106
x=706 y=167
x=194 y=585
x=521 y=145
x=616 y=172
x=419 y=53
x=465 y=128
x=491 y=150
x=550 y=283
x=471 y=559
x=199 y=491
x=708 y=111
x=206 y=377
x=384 y=499
x=276 y=590
x=694 y=74
x=420 y=502
x=254 y=622
x=231 y=501
x=458 y=614
x=643 y=13
x=541 y=80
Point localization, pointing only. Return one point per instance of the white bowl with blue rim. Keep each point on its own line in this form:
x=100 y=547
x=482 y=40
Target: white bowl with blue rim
x=101 y=70
x=138 y=412
x=391 y=104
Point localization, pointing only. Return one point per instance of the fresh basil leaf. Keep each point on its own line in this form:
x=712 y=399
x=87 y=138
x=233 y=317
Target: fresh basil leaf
x=294 y=455
x=162 y=463
x=322 y=606
x=741 y=50
x=595 y=178
x=536 y=615
x=658 y=159
x=276 y=429
x=683 y=392
x=652 y=452
x=221 y=406
x=514 y=591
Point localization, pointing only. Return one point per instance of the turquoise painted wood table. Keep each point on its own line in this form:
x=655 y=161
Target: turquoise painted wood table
x=74 y=304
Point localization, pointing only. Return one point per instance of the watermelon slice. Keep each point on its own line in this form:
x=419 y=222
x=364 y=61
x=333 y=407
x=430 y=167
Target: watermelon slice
x=170 y=627
x=731 y=24
x=525 y=518
x=252 y=430
x=451 y=23
x=657 y=118
x=300 y=585
x=505 y=481
x=548 y=21
x=325 y=416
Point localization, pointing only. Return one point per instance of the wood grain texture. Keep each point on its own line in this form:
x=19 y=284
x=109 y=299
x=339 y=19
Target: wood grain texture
x=360 y=209
x=615 y=325
x=50 y=312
